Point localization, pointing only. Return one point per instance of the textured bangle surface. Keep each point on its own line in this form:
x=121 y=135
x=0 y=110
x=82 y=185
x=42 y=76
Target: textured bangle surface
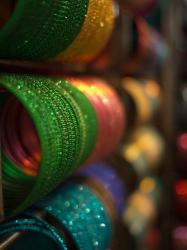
x=67 y=31
x=34 y=225
x=110 y=112
x=81 y=212
x=66 y=125
x=41 y=29
x=108 y=177
x=94 y=34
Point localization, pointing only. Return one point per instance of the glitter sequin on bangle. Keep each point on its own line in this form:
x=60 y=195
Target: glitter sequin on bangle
x=108 y=177
x=82 y=213
x=33 y=224
x=66 y=125
x=41 y=29
x=110 y=112
x=94 y=34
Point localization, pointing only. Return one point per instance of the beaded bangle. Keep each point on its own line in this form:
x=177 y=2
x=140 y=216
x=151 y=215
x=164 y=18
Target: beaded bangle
x=66 y=127
x=142 y=206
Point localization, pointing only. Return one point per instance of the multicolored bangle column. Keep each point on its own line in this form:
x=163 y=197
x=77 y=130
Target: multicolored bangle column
x=144 y=151
x=75 y=212
x=66 y=125
x=142 y=207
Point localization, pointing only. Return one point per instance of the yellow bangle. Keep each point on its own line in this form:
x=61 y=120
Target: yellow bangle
x=134 y=88
x=94 y=34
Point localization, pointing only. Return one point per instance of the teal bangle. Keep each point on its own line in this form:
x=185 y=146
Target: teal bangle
x=64 y=132
x=41 y=29
x=37 y=225
x=82 y=214
x=72 y=215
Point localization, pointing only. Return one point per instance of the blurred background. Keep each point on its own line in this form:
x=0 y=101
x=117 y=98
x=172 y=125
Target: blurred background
x=144 y=63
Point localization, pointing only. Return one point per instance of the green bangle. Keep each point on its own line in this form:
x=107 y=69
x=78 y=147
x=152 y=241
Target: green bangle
x=41 y=29
x=87 y=114
x=67 y=135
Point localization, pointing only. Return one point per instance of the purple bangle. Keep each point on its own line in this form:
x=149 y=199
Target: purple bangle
x=108 y=177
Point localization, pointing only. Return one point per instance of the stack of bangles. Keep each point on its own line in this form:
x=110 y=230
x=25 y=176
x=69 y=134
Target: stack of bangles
x=144 y=151
x=73 y=31
x=145 y=96
x=110 y=111
x=49 y=128
x=71 y=217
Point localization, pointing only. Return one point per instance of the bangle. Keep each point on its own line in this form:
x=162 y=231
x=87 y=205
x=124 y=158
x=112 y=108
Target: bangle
x=41 y=29
x=110 y=112
x=82 y=213
x=33 y=224
x=109 y=179
x=66 y=125
x=94 y=34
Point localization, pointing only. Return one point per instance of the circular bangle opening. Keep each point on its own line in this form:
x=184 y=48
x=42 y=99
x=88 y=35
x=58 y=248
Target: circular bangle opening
x=6 y=10
x=31 y=240
x=20 y=141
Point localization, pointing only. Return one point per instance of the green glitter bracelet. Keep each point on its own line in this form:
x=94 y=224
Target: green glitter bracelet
x=67 y=128
x=39 y=30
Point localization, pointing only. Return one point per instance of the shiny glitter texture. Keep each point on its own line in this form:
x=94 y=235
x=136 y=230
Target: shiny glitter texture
x=110 y=112
x=71 y=213
x=81 y=212
x=31 y=224
x=41 y=29
x=66 y=125
x=108 y=177
x=146 y=96
x=94 y=34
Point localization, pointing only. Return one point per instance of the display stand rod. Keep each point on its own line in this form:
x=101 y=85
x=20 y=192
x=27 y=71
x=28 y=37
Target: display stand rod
x=171 y=32
x=1 y=180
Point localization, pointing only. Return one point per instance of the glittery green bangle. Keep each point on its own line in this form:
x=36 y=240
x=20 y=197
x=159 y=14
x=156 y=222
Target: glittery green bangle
x=87 y=115
x=41 y=29
x=64 y=132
